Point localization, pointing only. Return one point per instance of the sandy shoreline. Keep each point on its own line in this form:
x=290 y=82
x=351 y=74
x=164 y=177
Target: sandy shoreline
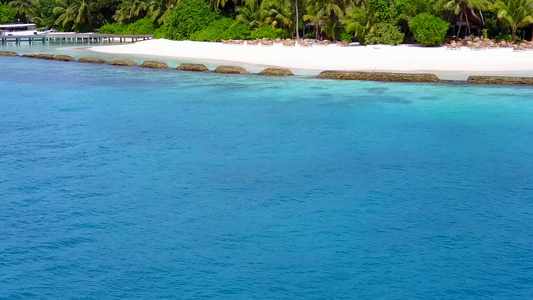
x=452 y=64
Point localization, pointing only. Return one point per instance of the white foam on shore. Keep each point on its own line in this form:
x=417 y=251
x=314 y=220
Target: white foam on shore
x=310 y=60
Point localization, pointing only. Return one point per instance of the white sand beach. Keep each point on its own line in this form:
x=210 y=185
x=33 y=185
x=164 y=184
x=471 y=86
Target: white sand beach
x=446 y=63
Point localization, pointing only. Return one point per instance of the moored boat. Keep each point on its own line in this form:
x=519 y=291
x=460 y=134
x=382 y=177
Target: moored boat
x=19 y=30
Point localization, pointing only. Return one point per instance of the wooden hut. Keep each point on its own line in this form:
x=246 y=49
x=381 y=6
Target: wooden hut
x=467 y=23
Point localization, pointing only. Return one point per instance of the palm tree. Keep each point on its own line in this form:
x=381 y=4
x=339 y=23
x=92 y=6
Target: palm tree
x=130 y=10
x=515 y=13
x=159 y=10
x=222 y=3
x=250 y=14
x=82 y=14
x=330 y=12
x=35 y=12
x=361 y=20
x=314 y=15
x=22 y=7
x=219 y=3
x=276 y=13
x=460 y=7
x=415 y=7
x=64 y=14
x=75 y=12
x=297 y=19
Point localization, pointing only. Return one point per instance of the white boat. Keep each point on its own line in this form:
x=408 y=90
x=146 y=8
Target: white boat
x=19 y=29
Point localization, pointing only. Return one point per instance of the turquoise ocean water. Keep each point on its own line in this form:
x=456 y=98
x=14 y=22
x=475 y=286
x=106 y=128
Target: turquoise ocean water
x=125 y=183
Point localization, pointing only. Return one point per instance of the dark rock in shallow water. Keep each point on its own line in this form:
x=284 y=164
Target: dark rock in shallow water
x=50 y=57
x=122 y=62
x=154 y=64
x=500 y=80
x=40 y=56
x=276 y=72
x=63 y=58
x=378 y=76
x=8 y=53
x=91 y=60
x=230 y=70
x=193 y=67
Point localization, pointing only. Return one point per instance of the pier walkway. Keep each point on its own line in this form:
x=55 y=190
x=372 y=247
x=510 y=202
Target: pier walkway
x=75 y=37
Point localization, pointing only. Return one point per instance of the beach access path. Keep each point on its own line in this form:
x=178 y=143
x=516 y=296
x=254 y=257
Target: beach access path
x=311 y=60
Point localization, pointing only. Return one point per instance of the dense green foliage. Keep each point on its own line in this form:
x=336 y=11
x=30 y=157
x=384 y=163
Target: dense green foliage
x=223 y=29
x=412 y=8
x=187 y=18
x=428 y=29
x=267 y=32
x=507 y=37
x=345 y=36
x=141 y=26
x=460 y=7
x=113 y=28
x=361 y=20
x=330 y=13
x=42 y=12
x=390 y=11
x=515 y=13
x=385 y=33
x=367 y=21
x=158 y=11
x=256 y=14
x=7 y=13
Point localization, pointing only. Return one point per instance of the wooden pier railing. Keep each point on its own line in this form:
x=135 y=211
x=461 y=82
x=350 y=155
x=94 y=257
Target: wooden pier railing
x=75 y=38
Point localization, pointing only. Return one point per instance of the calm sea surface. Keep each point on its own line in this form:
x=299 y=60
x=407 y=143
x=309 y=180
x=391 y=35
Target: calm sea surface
x=128 y=183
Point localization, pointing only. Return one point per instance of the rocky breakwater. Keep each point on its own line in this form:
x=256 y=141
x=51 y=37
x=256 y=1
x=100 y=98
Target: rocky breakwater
x=378 y=76
x=193 y=67
x=91 y=60
x=8 y=53
x=276 y=72
x=230 y=70
x=500 y=80
x=122 y=62
x=154 y=64
x=50 y=57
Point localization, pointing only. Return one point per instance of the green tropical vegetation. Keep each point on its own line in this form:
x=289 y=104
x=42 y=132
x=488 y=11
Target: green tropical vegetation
x=463 y=8
x=515 y=14
x=428 y=29
x=187 y=18
x=361 y=20
x=141 y=26
x=385 y=33
x=427 y=22
x=7 y=13
x=223 y=29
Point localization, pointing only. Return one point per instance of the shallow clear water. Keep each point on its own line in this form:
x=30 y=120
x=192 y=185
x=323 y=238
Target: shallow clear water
x=78 y=50
x=137 y=184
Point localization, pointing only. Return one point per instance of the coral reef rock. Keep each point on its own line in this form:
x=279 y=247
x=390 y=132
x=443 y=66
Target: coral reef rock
x=276 y=72
x=230 y=70
x=378 y=76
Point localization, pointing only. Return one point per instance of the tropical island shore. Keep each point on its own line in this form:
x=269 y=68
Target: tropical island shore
x=446 y=63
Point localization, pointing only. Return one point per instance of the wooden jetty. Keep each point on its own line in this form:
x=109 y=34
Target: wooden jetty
x=75 y=38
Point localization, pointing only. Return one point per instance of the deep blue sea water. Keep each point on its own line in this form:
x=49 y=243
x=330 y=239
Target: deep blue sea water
x=125 y=183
